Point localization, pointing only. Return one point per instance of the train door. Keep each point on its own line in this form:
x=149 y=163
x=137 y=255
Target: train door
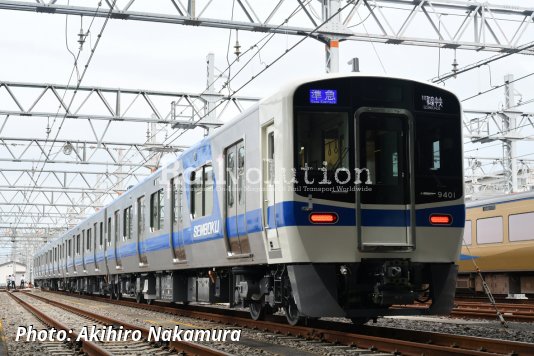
x=177 y=233
x=236 y=222
x=269 y=188
x=385 y=210
x=116 y=238
x=141 y=233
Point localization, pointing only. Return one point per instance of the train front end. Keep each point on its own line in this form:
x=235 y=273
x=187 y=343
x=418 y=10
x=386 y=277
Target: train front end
x=376 y=205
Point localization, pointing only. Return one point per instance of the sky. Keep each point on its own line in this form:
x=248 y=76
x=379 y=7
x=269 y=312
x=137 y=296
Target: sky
x=168 y=57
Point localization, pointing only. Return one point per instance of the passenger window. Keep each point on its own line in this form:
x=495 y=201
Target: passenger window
x=78 y=244
x=230 y=165
x=202 y=192
x=177 y=199
x=156 y=210
x=117 y=226
x=101 y=233
x=88 y=238
x=141 y=215
x=241 y=175
x=467 y=233
x=489 y=230
x=521 y=227
x=96 y=232
x=109 y=231
x=127 y=220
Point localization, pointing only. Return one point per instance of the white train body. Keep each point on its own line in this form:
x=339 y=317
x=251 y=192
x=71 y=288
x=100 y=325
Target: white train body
x=237 y=218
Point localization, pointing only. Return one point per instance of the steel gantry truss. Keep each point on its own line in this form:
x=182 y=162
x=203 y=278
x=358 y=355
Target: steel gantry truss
x=70 y=161
x=471 y=25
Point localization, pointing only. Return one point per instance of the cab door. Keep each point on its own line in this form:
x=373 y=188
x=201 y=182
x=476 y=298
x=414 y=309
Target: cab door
x=385 y=209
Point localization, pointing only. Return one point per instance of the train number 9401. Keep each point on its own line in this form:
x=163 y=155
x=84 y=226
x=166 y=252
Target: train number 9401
x=446 y=195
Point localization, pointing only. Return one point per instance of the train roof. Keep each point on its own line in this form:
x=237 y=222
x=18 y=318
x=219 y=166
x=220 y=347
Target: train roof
x=501 y=199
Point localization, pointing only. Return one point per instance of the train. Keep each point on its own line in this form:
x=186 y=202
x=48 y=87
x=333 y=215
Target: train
x=499 y=242
x=337 y=196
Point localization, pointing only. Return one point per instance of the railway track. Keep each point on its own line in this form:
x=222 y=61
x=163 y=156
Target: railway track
x=391 y=340
x=484 y=310
x=48 y=312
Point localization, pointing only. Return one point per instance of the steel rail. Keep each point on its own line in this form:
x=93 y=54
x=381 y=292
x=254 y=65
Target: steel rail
x=89 y=347
x=407 y=342
x=186 y=347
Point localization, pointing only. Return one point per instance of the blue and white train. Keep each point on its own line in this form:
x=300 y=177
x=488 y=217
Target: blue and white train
x=338 y=196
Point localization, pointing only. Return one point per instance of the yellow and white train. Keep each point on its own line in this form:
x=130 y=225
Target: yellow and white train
x=499 y=239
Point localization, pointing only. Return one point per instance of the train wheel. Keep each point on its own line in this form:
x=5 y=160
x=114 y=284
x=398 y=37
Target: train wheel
x=139 y=297
x=360 y=320
x=257 y=310
x=292 y=312
x=150 y=301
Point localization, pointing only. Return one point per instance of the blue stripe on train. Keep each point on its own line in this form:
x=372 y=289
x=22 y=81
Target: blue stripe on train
x=286 y=214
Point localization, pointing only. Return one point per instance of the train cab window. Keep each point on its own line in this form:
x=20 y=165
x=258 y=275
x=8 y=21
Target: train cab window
x=467 y=233
x=521 y=227
x=438 y=149
x=322 y=143
x=489 y=230
x=78 y=244
x=127 y=223
x=156 y=210
x=202 y=192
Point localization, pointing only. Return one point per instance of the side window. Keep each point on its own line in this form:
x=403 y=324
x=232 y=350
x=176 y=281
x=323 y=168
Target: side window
x=78 y=244
x=489 y=230
x=156 y=210
x=127 y=226
x=467 y=233
x=202 y=192
x=117 y=226
x=230 y=169
x=177 y=198
x=101 y=234
x=196 y=194
x=109 y=231
x=88 y=239
x=521 y=227
x=141 y=215
x=241 y=175
x=95 y=229
x=208 y=190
